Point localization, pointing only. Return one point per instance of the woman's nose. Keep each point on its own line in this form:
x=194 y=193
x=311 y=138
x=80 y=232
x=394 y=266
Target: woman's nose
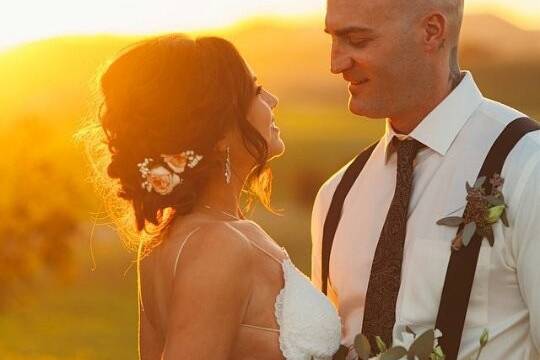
x=271 y=99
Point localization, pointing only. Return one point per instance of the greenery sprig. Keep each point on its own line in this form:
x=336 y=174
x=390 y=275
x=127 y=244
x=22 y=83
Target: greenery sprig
x=423 y=347
x=482 y=211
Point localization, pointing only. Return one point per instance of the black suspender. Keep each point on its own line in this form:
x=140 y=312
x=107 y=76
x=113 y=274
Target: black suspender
x=462 y=264
x=336 y=206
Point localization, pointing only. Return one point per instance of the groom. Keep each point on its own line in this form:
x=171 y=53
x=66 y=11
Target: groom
x=378 y=251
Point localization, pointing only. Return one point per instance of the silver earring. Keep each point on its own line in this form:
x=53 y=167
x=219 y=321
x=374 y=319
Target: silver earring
x=228 y=172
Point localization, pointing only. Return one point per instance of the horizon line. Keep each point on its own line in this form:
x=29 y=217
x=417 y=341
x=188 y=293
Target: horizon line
x=234 y=25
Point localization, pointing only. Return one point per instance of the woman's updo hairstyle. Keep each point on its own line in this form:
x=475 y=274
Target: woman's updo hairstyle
x=167 y=95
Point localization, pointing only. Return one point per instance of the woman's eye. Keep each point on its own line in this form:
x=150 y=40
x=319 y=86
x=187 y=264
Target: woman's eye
x=259 y=90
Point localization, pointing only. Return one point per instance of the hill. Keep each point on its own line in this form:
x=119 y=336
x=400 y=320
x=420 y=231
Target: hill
x=55 y=78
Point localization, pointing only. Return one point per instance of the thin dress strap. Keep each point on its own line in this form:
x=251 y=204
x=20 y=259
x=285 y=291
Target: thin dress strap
x=268 y=253
x=182 y=247
x=262 y=249
x=254 y=244
x=278 y=261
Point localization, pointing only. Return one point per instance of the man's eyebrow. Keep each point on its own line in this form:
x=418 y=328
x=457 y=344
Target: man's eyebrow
x=348 y=30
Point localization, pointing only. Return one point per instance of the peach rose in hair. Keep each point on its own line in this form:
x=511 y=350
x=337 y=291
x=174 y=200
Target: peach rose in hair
x=177 y=162
x=162 y=180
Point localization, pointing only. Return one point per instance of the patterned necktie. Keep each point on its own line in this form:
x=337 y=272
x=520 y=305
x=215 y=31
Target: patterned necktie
x=385 y=278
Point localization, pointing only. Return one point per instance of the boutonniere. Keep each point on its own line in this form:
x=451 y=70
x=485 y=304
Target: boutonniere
x=482 y=211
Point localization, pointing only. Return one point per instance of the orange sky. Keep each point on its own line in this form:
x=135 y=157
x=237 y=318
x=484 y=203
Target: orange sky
x=26 y=20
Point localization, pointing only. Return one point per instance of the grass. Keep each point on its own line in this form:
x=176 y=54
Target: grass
x=94 y=317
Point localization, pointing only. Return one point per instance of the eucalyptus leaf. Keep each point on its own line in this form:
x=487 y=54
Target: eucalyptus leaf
x=362 y=346
x=479 y=182
x=494 y=200
x=341 y=354
x=504 y=219
x=494 y=214
x=451 y=221
x=381 y=345
x=468 y=233
x=484 y=338
x=394 y=353
x=423 y=345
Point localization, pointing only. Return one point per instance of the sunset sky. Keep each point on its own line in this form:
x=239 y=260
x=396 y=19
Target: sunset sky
x=26 y=20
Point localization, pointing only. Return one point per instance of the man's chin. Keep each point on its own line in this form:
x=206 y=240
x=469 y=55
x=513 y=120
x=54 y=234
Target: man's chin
x=360 y=108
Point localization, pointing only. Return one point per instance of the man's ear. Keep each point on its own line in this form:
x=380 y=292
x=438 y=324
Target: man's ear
x=435 y=31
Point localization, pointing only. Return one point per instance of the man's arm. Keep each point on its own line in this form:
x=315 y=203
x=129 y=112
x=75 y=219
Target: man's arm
x=526 y=242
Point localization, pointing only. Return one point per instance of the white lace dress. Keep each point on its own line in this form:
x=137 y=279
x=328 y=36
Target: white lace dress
x=309 y=326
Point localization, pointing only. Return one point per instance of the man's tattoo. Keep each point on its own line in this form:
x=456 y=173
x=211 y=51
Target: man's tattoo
x=455 y=72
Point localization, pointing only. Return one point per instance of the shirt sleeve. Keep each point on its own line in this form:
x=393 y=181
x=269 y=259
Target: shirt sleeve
x=317 y=223
x=526 y=240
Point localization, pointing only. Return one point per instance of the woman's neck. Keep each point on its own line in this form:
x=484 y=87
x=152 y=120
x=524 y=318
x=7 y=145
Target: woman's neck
x=221 y=196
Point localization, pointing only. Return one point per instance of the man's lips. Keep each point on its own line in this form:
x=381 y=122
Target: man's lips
x=356 y=85
x=358 y=82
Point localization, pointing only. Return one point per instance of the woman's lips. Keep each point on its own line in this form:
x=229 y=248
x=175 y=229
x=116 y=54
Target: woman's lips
x=274 y=126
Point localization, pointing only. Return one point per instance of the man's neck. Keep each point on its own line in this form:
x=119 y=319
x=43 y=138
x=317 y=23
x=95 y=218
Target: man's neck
x=406 y=122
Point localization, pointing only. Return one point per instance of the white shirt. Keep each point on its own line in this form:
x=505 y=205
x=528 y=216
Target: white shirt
x=505 y=297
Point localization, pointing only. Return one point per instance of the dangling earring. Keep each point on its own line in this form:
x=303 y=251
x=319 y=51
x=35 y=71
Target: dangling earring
x=228 y=172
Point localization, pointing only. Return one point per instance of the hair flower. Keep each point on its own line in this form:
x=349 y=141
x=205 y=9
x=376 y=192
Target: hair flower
x=164 y=178
x=176 y=162
x=161 y=180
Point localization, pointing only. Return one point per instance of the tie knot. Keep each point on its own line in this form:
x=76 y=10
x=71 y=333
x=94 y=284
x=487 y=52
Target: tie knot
x=407 y=149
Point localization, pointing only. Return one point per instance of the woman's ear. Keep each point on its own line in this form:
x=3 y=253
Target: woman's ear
x=224 y=142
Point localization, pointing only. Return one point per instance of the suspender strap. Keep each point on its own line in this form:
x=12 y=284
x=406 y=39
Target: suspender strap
x=336 y=206
x=462 y=264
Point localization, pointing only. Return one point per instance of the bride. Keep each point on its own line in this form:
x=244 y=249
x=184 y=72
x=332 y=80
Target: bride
x=189 y=129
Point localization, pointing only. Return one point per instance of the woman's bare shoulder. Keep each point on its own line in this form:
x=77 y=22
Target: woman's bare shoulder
x=209 y=240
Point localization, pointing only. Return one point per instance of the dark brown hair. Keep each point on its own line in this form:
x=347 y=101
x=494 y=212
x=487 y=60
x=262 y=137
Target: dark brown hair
x=166 y=95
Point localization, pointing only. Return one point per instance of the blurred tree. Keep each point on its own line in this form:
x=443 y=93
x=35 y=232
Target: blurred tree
x=42 y=200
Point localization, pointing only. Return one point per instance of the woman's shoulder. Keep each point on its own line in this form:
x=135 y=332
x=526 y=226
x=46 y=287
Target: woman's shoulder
x=209 y=240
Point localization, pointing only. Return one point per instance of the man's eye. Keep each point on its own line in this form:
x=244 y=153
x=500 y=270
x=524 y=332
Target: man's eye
x=358 y=43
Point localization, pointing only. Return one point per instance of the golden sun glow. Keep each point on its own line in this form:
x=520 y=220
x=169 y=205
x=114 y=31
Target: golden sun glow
x=26 y=20
x=523 y=13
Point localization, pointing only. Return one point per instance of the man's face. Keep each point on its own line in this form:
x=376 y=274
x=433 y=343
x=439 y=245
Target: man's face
x=377 y=52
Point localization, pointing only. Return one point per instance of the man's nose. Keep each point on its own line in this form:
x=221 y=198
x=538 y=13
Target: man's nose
x=340 y=60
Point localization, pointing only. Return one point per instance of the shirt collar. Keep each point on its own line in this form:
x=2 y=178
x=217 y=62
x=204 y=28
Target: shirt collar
x=439 y=129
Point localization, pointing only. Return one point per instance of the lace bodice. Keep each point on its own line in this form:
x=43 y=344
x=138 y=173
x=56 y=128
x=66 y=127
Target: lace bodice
x=310 y=327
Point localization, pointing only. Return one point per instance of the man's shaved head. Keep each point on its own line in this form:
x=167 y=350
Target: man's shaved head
x=451 y=9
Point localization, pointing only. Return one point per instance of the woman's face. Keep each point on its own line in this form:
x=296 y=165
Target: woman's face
x=261 y=117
